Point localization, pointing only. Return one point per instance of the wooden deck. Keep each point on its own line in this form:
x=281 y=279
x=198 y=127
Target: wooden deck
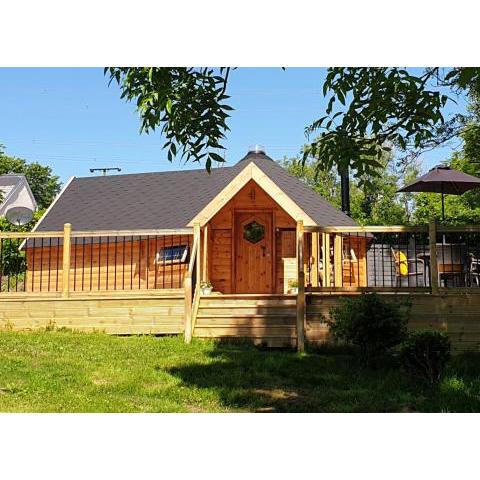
x=122 y=313
x=270 y=319
x=265 y=319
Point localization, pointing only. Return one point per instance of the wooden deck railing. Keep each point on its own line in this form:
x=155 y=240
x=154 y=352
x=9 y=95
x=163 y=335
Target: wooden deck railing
x=395 y=258
x=192 y=285
x=370 y=257
x=425 y=259
x=69 y=261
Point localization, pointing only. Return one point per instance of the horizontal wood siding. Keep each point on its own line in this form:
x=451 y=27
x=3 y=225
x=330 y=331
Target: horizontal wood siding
x=285 y=248
x=457 y=314
x=220 y=259
x=355 y=261
x=220 y=252
x=119 y=314
x=268 y=320
x=113 y=264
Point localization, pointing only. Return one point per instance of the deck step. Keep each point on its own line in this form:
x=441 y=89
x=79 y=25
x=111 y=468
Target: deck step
x=245 y=322
x=247 y=303
x=245 y=312
x=257 y=332
x=266 y=319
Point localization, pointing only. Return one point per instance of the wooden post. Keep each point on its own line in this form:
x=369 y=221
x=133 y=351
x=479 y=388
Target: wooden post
x=314 y=275
x=188 y=307
x=326 y=259
x=205 y=254
x=432 y=234
x=197 y=235
x=301 y=289
x=337 y=261
x=67 y=233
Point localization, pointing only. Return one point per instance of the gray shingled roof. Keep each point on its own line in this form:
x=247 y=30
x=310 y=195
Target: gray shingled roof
x=170 y=199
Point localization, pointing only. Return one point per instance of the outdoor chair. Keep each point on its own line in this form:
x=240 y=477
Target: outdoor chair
x=403 y=267
x=472 y=276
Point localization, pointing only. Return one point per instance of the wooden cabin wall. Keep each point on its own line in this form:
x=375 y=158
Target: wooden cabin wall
x=220 y=248
x=106 y=266
x=355 y=269
x=286 y=247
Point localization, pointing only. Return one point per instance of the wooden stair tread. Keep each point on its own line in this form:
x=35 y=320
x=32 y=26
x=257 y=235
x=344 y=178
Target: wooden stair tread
x=246 y=315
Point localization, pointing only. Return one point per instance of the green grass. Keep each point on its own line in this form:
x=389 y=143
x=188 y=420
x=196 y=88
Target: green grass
x=72 y=372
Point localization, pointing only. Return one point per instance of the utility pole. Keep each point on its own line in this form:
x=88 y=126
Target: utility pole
x=105 y=170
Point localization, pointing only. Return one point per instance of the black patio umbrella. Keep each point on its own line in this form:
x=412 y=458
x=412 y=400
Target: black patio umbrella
x=445 y=180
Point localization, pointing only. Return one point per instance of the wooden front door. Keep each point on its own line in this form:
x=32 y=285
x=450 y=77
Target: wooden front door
x=253 y=252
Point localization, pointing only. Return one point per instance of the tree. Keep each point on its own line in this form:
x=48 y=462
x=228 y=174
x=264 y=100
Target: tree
x=43 y=183
x=458 y=208
x=186 y=103
x=374 y=198
x=369 y=110
x=325 y=183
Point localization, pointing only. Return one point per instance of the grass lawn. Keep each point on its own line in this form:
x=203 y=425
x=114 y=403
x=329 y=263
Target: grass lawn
x=74 y=372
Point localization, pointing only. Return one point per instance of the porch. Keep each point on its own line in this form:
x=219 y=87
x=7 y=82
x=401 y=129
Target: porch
x=135 y=282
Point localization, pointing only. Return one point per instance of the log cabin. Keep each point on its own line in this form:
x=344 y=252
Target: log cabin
x=247 y=214
x=125 y=254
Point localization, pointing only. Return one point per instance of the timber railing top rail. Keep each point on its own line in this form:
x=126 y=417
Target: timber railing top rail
x=193 y=256
x=394 y=229
x=368 y=229
x=458 y=228
x=127 y=233
x=98 y=233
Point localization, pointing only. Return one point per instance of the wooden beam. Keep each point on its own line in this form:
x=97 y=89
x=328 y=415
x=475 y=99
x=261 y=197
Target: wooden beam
x=326 y=259
x=67 y=232
x=251 y=172
x=368 y=229
x=27 y=235
x=432 y=235
x=128 y=233
x=188 y=308
x=315 y=251
x=301 y=311
x=337 y=260
x=197 y=236
x=280 y=197
x=205 y=254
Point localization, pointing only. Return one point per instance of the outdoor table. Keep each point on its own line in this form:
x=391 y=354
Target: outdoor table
x=452 y=265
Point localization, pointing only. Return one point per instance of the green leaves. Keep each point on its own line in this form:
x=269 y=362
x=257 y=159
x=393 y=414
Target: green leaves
x=376 y=108
x=186 y=104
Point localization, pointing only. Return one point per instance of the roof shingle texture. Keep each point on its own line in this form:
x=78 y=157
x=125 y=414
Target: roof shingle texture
x=170 y=199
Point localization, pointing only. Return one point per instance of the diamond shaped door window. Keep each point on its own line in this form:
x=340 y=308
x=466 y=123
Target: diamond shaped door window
x=253 y=232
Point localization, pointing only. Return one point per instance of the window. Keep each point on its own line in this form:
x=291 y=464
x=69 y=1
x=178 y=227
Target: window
x=253 y=232
x=175 y=254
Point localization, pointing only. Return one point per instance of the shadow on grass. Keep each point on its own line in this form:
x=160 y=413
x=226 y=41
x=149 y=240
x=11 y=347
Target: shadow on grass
x=247 y=378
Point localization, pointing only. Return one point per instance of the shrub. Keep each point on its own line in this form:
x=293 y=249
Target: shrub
x=369 y=322
x=425 y=354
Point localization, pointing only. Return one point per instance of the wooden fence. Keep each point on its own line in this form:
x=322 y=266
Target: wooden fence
x=75 y=261
x=430 y=260
x=144 y=265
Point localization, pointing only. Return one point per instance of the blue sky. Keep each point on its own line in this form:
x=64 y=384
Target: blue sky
x=69 y=119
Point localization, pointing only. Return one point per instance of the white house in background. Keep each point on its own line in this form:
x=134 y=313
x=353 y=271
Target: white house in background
x=15 y=192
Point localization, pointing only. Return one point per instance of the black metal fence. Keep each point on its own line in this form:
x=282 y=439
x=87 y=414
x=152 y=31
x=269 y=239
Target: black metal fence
x=134 y=260
x=394 y=258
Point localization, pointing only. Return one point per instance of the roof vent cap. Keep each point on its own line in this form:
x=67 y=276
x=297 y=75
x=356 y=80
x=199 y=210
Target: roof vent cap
x=256 y=149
